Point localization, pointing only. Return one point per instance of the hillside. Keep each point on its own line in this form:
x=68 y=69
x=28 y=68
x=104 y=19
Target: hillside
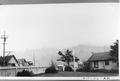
x=44 y=56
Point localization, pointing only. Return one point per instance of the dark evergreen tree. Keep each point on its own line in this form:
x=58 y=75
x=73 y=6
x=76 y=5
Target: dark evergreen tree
x=67 y=57
x=114 y=50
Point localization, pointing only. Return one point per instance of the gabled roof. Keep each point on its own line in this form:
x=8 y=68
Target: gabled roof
x=101 y=56
x=21 y=60
x=7 y=59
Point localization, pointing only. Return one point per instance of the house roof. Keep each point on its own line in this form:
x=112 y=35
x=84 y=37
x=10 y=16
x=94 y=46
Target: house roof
x=7 y=59
x=22 y=60
x=101 y=56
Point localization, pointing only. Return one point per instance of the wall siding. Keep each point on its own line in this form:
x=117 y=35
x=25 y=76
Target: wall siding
x=111 y=65
x=101 y=65
x=12 y=60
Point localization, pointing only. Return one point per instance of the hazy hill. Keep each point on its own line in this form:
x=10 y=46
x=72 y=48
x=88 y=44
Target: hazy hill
x=44 y=56
x=85 y=51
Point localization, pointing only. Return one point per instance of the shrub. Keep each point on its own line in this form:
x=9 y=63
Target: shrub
x=100 y=70
x=25 y=73
x=51 y=69
x=68 y=68
x=114 y=71
x=80 y=70
x=83 y=70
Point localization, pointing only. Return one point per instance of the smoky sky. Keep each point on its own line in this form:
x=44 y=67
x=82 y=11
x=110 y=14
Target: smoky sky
x=59 y=25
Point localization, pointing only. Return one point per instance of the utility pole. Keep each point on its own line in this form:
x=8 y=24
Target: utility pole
x=8 y=52
x=4 y=37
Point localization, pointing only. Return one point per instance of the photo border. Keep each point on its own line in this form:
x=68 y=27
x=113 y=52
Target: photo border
x=62 y=2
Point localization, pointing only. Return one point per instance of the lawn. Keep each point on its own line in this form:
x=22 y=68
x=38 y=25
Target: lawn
x=76 y=74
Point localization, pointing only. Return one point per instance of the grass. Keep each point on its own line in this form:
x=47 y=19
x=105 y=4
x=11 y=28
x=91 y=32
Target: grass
x=77 y=74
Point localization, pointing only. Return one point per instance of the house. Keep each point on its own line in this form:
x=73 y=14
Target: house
x=102 y=60
x=9 y=61
x=61 y=66
x=23 y=62
x=74 y=64
x=30 y=63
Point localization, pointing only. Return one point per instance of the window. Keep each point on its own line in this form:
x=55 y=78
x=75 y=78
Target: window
x=106 y=62
x=96 y=64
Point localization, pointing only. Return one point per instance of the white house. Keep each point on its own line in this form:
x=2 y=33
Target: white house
x=61 y=66
x=9 y=61
x=74 y=65
x=23 y=62
x=102 y=60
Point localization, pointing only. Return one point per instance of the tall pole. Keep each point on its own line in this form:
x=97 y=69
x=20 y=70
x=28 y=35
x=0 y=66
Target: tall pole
x=4 y=37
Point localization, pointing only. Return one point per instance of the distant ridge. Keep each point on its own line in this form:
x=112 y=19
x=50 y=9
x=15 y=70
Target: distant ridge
x=85 y=51
x=46 y=55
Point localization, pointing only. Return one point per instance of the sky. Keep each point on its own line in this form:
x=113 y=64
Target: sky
x=35 y=26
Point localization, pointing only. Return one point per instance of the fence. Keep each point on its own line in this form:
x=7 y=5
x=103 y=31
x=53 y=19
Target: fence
x=12 y=71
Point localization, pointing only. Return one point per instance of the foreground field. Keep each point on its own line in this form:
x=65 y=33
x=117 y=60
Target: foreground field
x=76 y=74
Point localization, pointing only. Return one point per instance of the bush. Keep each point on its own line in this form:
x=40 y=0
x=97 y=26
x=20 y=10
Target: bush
x=51 y=69
x=25 y=73
x=83 y=70
x=68 y=68
x=114 y=71
x=100 y=70
x=80 y=70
